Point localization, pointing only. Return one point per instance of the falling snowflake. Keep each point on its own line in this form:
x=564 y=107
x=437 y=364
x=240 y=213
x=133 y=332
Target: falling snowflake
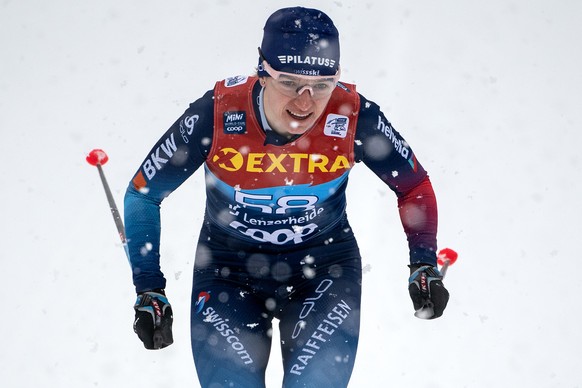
x=308 y=272
x=308 y=260
x=146 y=248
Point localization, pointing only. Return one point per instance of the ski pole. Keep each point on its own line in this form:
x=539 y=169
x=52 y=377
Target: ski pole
x=98 y=158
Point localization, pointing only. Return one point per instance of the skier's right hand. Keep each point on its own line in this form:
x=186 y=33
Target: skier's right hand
x=153 y=319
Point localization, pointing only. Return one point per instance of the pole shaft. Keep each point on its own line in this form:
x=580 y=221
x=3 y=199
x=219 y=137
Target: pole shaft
x=114 y=211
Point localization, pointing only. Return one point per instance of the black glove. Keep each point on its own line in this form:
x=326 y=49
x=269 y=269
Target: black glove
x=427 y=291
x=153 y=319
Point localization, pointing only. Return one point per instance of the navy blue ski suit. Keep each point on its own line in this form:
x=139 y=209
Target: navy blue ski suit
x=275 y=241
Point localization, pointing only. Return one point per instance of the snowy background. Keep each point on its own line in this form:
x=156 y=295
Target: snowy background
x=488 y=93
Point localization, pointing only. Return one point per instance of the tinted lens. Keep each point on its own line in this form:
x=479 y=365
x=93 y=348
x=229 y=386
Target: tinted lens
x=291 y=86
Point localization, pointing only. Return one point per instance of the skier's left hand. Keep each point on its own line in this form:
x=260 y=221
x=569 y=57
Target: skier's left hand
x=427 y=291
x=153 y=319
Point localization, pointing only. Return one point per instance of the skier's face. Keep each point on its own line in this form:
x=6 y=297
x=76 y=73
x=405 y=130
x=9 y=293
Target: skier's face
x=291 y=115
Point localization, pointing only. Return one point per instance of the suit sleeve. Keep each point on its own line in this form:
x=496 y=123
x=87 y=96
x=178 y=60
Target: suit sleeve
x=382 y=149
x=170 y=162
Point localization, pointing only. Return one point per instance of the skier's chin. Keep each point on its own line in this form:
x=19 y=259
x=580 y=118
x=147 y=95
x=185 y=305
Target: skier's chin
x=298 y=128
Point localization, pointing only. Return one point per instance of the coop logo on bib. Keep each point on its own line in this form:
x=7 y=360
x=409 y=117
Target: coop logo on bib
x=235 y=122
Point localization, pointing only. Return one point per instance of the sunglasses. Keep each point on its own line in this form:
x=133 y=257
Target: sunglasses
x=292 y=85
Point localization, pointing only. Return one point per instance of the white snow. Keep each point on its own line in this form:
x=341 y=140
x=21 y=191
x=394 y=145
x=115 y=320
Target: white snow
x=486 y=93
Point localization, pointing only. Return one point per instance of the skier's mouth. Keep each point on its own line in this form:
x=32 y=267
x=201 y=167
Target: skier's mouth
x=298 y=116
